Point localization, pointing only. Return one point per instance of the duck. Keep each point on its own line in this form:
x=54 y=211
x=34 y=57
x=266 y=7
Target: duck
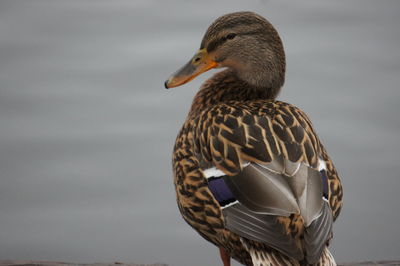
x=251 y=175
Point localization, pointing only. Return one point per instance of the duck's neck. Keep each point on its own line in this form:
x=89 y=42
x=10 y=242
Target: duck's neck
x=225 y=86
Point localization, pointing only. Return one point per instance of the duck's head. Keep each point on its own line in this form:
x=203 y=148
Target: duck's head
x=244 y=42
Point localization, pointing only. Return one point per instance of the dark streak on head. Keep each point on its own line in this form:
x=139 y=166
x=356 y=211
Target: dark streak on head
x=214 y=44
x=227 y=23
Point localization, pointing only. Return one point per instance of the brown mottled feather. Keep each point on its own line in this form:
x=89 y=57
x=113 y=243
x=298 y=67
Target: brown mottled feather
x=229 y=123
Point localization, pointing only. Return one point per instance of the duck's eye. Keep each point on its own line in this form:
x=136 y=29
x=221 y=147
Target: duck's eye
x=230 y=36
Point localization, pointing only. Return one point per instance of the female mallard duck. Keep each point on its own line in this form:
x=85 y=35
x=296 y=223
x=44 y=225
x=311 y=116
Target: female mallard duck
x=251 y=175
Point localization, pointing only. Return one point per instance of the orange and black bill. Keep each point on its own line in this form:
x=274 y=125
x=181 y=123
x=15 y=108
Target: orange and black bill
x=200 y=63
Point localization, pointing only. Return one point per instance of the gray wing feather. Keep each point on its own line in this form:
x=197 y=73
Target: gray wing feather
x=317 y=234
x=261 y=228
x=263 y=191
x=294 y=188
x=279 y=188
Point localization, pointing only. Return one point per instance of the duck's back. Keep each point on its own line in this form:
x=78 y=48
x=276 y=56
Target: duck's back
x=252 y=176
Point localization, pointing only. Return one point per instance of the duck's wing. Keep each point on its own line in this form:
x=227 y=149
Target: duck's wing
x=263 y=162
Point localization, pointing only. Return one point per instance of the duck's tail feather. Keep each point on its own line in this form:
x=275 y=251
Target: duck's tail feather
x=260 y=258
x=326 y=258
x=273 y=257
x=264 y=256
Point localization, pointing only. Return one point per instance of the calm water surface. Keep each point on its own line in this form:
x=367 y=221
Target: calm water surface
x=86 y=128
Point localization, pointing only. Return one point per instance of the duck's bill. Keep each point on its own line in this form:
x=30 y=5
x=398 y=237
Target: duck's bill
x=200 y=63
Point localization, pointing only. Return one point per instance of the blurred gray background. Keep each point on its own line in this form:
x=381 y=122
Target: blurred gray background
x=87 y=129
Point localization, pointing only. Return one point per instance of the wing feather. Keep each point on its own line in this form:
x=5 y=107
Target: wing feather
x=282 y=179
x=261 y=228
x=317 y=234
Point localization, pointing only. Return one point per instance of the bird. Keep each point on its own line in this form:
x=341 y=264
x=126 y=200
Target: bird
x=251 y=175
